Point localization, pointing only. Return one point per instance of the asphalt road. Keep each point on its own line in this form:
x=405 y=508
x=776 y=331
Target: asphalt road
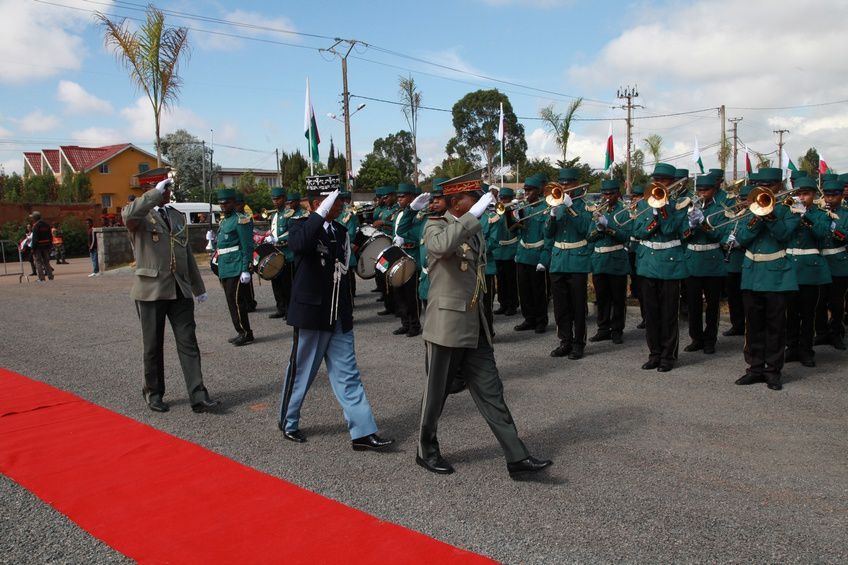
x=680 y=466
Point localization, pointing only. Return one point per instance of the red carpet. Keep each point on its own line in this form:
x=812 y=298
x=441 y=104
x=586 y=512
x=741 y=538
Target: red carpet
x=159 y=499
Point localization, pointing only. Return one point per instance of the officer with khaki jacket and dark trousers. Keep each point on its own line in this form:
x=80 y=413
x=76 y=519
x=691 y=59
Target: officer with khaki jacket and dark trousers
x=166 y=279
x=456 y=334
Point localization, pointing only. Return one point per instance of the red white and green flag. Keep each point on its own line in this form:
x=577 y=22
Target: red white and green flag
x=382 y=264
x=748 y=168
x=823 y=168
x=310 y=126
x=788 y=165
x=696 y=156
x=501 y=139
x=609 y=157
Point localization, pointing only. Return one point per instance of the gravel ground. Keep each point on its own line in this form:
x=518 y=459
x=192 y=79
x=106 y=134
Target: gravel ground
x=681 y=466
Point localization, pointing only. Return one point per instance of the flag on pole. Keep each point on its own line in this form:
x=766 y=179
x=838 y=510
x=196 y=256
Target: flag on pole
x=696 y=156
x=748 y=168
x=787 y=162
x=823 y=168
x=609 y=157
x=310 y=127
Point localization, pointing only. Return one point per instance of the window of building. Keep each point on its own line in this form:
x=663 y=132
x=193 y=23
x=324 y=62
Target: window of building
x=104 y=168
x=106 y=200
x=143 y=167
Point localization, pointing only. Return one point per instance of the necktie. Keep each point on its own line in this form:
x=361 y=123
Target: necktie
x=164 y=214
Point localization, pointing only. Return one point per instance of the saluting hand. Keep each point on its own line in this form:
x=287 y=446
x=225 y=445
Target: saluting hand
x=421 y=201
x=480 y=206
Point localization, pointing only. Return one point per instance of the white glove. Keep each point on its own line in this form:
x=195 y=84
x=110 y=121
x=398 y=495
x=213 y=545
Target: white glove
x=602 y=222
x=201 y=298
x=731 y=240
x=421 y=201
x=398 y=240
x=540 y=268
x=696 y=217
x=244 y=278
x=324 y=207
x=566 y=201
x=481 y=205
x=799 y=208
x=832 y=226
x=554 y=211
x=210 y=235
x=163 y=185
x=270 y=239
x=655 y=212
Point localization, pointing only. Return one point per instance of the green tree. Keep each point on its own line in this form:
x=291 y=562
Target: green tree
x=259 y=198
x=331 y=159
x=475 y=121
x=399 y=149
x=539 y=166
x=560 y=124
x=152 y=54
x=11 y=187
x=452 y=167
x=376 y=171
x=75 y=187
x=724 y=151
x=809 y=162
x=186 y=154
x=653 y=143
x=410 y=99
x=637 y=170
x=40 y=188
x=293 y=165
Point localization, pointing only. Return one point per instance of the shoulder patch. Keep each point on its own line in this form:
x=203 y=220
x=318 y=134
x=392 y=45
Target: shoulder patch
x=288 y=213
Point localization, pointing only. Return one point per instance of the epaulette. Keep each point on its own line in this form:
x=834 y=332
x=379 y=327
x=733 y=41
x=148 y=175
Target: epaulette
x=244 y=219
x=652 y=226
x=346 y=218
x=288 y=213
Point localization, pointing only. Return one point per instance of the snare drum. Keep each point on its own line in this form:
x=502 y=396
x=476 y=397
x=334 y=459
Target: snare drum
x=368 y=244
x=397 y=266
x=271 y=261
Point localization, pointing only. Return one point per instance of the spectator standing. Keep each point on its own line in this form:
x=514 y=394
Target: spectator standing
x=25 y=246
x=58 y=244
x=92 y=248
x=42 y=241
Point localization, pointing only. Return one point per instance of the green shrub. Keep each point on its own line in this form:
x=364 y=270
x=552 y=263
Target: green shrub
x=75 y=237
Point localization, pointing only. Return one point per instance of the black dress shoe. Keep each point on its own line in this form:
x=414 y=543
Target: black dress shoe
x=417 y=331
x=694 y=346
x=665 y=368
x=157 y=405
x=499 y=311
x=600 y=337
x=372 y=442
x=561 y=351
x=750 y=379
x=204 y=405
x=511 y=312
x=651 y=365
x=837 y=343
x=617 y=339
x=541 y=329
x=790 y=356
x=641 y=325
x=733 y=332
x=295 y=436
x=808 y=362
x=400 y=331
x=524 y=326
x=775 y=386
x=436 y=465
x=276 y=315
x=576 y=353
x=385 y=313
x=709 y=348
x=526 y=466
x=243 y=339
x=233 y=339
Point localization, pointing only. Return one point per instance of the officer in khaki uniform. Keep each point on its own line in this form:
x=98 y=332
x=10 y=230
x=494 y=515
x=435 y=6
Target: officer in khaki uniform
x=456 y=334
x=767 y=281
x=235 y=261
x=166 y=279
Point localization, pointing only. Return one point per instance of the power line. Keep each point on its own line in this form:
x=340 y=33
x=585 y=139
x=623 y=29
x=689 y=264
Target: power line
x=797 y=107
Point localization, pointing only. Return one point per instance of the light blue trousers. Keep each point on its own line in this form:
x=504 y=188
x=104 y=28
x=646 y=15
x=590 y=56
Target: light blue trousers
x=337 y=349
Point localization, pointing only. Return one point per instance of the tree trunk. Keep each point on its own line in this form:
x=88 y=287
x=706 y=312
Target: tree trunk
x=414 y=160
x=158 y=139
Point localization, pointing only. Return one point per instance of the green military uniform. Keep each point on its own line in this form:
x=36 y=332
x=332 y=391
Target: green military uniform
x=833 y=296
x=234 y=246
x=406 y=295
x=488 y=222
x=244 y=211
x=721 y=195
x=532 y=258
x=634 y=250
x=424 y=280
x=733 y=258
x=570 y=263
x=376 y=213
x=387 y=216
x=350 y=221
x=767 y=280
x=504 y=255
x=281 y=285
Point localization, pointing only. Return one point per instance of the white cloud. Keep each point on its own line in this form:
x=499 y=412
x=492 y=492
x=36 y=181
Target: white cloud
x=78 y=101
x=5 y=132
x=12 y=166
x=141 y=127
x=98 y=136
x=265 y=26
x=39 y=40
x=37 y=121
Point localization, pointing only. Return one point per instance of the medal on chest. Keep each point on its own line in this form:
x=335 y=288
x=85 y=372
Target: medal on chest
x=155 y=236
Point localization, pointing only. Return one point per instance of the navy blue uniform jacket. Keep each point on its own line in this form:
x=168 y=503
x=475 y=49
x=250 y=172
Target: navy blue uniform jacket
x=315 y=252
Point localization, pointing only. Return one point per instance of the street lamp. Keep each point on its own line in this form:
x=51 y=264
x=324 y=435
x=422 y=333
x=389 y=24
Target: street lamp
x=335 y=117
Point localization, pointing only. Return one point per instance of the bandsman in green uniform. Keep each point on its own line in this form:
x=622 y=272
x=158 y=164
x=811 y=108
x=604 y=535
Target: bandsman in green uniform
x=811 y=270
x=634 y=250
x=407 y=237
x=830 y=313
x=610 y=263
x=279 y=237
x=244 y=211
x=434 y=208
x=567 y=228
x=350 y=221
x=662 y=266
x=379 y=207
x=705 y=266
x=718 y=175
x=683 y=189
x=489 y=232
x=504 y=255
x=767 y=280
x=386 y=223
x=235 y=261
x=734 y=256
x=532 y=257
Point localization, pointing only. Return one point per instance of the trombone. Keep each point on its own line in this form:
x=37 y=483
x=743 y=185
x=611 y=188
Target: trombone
x=657 y=198
x=761 y=202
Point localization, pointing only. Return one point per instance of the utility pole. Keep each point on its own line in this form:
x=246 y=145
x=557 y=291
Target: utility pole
x=279 y=172
x=351 y=43
x=203 y=168
x=735 y=122
x=780 y=133
x=628 y=94
x=722 y=116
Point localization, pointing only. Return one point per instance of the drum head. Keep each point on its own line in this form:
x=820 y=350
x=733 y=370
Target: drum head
x=271 y=266
x=401 y=271
x=368 y=254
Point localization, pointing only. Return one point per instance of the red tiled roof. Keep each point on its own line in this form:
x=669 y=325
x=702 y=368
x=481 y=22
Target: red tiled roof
x=52 y=156
x=83 y=158
x=34 y=160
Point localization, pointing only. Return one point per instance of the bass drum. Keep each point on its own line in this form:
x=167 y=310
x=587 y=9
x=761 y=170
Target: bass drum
x=368 y=244
x=213 y=263
x=397 y=266
x=270 y=261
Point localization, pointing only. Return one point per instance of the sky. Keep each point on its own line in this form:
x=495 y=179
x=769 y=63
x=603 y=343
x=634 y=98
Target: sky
x=776 y=64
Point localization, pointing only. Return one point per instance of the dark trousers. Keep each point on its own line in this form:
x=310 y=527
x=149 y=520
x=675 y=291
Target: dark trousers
x=389 y=293
x=489 y=302
x=765 y=332
x=700 y=290
x=830 y=312
x=406 y=297
x=800 y=320
x=533 y=294
x=351 y=273
x=237 y=303
x=733 y=287
x=570 y=308
x=635 y=289
x=507 y=285
x=611 y=294
x=41 y=255
x=661 y=299
x=478 y=369
x=282 y=288
x=180 y=312
x=247 y=289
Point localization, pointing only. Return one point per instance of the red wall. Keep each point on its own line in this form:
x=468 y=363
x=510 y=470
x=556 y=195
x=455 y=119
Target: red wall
x=50 y=212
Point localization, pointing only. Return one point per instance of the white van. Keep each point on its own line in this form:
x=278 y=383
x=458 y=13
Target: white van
x=197 y=212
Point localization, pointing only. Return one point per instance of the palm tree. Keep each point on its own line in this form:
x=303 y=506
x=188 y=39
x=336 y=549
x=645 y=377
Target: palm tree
x=653 y=143
x=410 y=98
x=152 y=55
x=560 y=124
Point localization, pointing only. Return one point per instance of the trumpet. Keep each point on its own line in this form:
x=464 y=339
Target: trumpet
x=657 y=198
x=501 y=208
x=761 y=202
x=660 y=195
x=265 y=213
